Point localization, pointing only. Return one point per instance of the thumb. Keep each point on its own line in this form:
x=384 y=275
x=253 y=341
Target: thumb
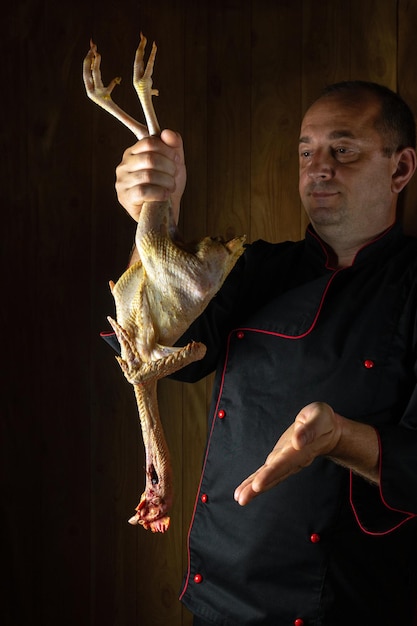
x=172 y=139
x=313 y=422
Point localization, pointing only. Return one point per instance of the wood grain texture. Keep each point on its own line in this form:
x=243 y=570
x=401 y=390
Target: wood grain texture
x=228 y=120
x=373 y=41
x=235 y=77
x=407 y=88
x=275 y=121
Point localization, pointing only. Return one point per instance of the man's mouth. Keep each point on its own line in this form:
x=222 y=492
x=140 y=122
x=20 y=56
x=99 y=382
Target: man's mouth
x=322 y=193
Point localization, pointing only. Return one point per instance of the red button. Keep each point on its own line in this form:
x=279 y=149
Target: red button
x=298 y=622
x=221 y=414
x=369 y=364
x=240 y=334
x=198 y=578
x=204 y=498
x=315 y=538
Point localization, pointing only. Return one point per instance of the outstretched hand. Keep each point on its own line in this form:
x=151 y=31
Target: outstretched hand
x=316 y=431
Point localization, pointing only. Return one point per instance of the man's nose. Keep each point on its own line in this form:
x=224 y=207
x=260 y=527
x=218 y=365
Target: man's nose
x=321 y=166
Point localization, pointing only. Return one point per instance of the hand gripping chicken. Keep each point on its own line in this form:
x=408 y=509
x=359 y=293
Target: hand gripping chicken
x=158 y=297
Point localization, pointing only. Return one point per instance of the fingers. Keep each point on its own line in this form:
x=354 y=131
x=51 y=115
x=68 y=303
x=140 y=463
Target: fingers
x=282 y=462
x=260 y=481
x=245 y=492
x=149 y=167
x=150 y=171
x=315 y=431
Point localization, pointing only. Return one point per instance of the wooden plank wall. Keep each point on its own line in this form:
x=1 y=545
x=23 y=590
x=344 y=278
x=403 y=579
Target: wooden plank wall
x=235 y=77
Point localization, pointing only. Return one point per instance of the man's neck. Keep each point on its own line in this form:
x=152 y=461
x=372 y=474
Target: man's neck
x=342 y=251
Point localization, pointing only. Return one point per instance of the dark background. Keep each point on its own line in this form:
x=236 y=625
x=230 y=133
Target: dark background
x=235 y=78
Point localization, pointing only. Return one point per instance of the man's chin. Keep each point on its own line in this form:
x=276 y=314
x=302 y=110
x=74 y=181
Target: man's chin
x=324 y=216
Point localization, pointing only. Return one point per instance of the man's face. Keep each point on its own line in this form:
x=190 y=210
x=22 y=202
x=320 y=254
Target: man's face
x=345 y=178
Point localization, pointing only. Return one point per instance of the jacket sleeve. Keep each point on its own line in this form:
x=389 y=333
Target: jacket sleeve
x=398 y=460
x=381 y=510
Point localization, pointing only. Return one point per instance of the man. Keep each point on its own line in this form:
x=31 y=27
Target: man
x=315 y=345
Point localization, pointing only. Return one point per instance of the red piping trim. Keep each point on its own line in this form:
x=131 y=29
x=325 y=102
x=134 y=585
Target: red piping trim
x=203 y=468
x=369 y=243
x=314 y=322
x=408 y=514
x=323 y=247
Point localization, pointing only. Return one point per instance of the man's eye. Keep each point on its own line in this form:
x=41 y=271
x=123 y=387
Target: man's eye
x=305 y=153
x=344 y=154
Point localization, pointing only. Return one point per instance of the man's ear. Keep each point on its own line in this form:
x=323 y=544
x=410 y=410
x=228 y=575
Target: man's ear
x=406 y=162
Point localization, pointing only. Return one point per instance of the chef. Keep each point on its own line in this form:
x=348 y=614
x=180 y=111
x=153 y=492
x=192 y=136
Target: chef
x=306 y=509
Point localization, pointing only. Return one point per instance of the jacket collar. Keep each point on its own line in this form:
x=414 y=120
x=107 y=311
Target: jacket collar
x=384 y=244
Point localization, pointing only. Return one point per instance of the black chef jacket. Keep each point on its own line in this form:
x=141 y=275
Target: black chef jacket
x=324 y=548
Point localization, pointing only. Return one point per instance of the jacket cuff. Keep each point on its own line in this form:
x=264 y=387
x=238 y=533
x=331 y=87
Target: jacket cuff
x=110 y=338
x=372 y=512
